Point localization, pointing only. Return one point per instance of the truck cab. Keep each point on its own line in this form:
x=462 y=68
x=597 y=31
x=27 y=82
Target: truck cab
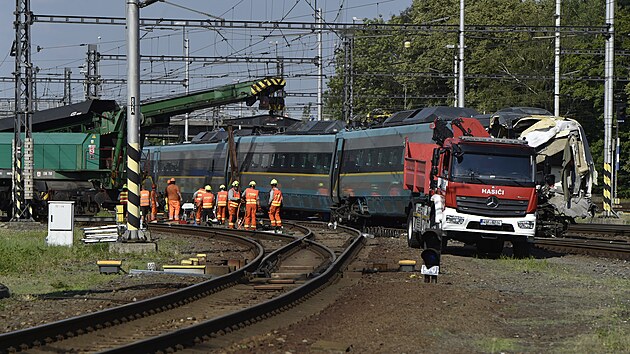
x=474 y=189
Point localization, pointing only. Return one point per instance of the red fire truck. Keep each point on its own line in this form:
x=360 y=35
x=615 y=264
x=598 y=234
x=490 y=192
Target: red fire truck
x=472 y=188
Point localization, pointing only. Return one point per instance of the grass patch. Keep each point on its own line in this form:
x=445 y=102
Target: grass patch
x=29 y=266
x=526 y=265
x=497 y=345
x=609 y=339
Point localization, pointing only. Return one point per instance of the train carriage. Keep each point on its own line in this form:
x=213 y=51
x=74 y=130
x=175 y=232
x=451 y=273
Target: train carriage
x=300 y=163
x=369 y=167
x=192 y=166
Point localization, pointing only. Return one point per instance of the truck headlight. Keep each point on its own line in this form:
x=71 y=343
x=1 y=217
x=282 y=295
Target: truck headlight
x=454 y=219
x=526 y=224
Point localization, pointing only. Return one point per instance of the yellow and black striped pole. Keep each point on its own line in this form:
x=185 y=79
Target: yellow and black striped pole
x=607 y=188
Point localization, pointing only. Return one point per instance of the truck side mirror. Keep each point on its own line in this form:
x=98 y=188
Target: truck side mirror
x=550 y=179
x=540 y=178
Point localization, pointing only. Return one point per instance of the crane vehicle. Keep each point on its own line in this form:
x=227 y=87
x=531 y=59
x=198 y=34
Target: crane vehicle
x=470 y=187
x=79 y=149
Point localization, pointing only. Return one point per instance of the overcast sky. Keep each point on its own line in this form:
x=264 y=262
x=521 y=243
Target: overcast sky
x=63 y=45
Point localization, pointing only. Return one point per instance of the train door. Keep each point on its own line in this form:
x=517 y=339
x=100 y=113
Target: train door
x=335 y=179
x=152 y=168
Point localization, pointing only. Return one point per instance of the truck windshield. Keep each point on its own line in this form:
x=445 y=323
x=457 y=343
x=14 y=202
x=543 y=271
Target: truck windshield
x=482 y=168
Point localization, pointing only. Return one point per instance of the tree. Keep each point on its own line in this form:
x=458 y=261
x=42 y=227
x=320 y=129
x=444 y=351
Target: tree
x=503 y=68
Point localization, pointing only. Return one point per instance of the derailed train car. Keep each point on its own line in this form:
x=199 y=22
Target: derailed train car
x=356 y=175
x=565 y=156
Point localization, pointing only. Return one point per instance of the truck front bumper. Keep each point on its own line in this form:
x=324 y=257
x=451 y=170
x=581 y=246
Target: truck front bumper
x=458 y=226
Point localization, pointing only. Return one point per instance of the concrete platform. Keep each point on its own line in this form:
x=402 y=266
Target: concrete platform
x=133 y=247
x=191 y=269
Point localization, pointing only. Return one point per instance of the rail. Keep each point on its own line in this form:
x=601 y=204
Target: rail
x=191 y=336
x=39 y=335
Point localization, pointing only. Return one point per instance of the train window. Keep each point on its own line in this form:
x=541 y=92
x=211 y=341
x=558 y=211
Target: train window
x=264 y=161
x=320 y=164
x=302 y=162
x=278 y=161
x=282 y=161
x=255 y=163
x=325 y=162
x=311 y=162
x=290 y=161
x=368 y=157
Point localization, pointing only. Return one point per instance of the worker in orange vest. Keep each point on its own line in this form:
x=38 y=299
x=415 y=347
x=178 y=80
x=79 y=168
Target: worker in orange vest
x=145 y=204
x=154 y=202
x=174 y=200
x=123 y=198
x=252 y=204
x=275 y=201
x=207 y=205
x=222 y=201
x=234 y=202
x=198 y=198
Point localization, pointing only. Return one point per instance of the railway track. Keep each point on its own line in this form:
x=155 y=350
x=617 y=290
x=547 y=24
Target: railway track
x=599 y=248
x=288 y=272
x=609 y=231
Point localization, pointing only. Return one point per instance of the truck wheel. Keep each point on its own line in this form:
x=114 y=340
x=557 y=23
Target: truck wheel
x=490 y=248
x=412 y=241
x=4 y=291
x=521 y=249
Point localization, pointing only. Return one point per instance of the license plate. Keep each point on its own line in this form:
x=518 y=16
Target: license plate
x=490 y=222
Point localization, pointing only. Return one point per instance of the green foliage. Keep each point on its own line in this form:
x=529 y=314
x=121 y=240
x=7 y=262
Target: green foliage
x=29 y=266
x=504 y=68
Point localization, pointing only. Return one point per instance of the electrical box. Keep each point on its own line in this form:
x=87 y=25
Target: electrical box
x=60 y=223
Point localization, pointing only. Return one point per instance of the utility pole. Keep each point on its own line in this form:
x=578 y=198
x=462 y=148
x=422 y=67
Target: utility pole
x=67 y=87
x=608 y=107
x=22 y=175
x=351 y=74
x=92 y=77
x=186 y=78
x=346 y=79
x=133 y=232
x=556 y=76
x=460 y=93
x=320 y=65
x=455 y=71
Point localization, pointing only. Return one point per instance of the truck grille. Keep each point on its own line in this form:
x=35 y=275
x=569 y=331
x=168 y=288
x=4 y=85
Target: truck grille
x=491 y=206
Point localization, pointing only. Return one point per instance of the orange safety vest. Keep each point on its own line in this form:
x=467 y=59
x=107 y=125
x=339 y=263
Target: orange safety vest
x=251 y=196
x=222 y=198
x=234 y=204
x=208 y=200
x=124 y=196
x=144 y=198
x=199 y=196
x=277 y=197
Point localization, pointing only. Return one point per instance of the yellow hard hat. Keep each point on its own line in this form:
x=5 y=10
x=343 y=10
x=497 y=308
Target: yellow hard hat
x=208 y=188
x=235 y=183
x=222 y=186
x=273 y=181
x=124 y=186
x=252 y=183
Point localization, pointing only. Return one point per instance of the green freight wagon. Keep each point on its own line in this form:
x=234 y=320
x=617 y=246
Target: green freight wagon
x=67 y=166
